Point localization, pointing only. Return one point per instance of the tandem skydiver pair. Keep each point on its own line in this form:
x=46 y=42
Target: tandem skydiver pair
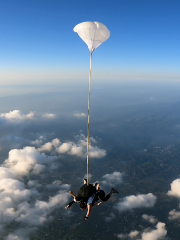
x=88 y=195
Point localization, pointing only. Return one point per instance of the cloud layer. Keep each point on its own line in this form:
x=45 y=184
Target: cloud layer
x=21 y=201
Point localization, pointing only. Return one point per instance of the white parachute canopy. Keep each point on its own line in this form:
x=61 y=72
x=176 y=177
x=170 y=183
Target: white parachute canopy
x=92 y=33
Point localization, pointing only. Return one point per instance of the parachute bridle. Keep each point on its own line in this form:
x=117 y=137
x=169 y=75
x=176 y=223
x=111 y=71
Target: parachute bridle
x=88 y=119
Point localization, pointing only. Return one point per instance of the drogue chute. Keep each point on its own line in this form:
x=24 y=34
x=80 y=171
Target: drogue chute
x=92 y=33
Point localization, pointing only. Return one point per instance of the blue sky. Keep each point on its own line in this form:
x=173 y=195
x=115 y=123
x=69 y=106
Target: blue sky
x=38 y=45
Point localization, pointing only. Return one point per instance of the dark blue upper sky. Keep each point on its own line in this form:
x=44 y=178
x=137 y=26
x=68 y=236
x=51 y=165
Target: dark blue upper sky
x=37 y=41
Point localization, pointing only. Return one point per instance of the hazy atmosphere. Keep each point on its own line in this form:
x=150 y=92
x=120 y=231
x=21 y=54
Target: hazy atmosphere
x=38 y=45
x=134 y=120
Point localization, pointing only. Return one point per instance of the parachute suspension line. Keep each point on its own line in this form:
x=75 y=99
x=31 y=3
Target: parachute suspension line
x=88 y=120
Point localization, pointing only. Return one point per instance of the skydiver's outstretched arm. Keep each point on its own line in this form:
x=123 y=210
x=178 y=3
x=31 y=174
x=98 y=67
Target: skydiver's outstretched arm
x=69 y=205
x=72 y=202
x=72 y=194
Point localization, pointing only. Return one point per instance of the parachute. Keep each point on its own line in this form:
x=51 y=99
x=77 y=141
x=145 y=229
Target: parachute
x=93 y=34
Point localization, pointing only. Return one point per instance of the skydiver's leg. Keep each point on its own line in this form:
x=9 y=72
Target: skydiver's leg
x=89 y=207
x=103 y=196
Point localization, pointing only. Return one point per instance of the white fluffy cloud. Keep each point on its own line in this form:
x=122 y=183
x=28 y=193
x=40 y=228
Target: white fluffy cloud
x=39 y=213
x=65 y=148
x=112 y=179
x=48 y=147
x=149 y=218
x=80 y=148
x=80 y=115
x=32 y=215
x=17 y=115
x=38 y=141
x=21 y=202
x=175 y=188
x=23 y=161
x=174 y=215
x=148 y=234
x=131 y=235
x=49 y=115
x=76 y=150
x=95 y=152
x=139 y=201
x=156 y=234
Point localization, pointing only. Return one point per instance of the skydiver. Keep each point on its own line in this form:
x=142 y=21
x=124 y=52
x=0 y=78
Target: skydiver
x=87 y=200
x=99 y=194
